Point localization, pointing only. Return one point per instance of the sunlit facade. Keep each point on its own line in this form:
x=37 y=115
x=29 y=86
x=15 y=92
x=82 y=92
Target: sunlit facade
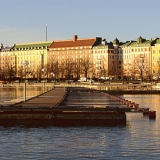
x=73 y=57
x=156 y=59
x=34 y=53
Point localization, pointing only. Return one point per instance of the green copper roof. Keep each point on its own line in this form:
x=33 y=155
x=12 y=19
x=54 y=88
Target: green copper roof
x=142 y=44
x=126 y=44
x=115 y=41
x=30 y=46
x=157 y=41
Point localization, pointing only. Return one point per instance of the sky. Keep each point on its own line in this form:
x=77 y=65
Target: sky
x=24 y=21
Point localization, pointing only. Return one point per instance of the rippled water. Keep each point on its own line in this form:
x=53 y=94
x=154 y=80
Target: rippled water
x=138 y=140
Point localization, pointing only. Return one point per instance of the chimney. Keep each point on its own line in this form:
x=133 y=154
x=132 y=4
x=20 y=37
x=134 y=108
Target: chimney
x=75 y=37
x=2 y=46
x=104 y=41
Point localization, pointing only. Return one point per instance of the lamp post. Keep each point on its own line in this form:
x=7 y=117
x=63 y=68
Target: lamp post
x=158 y=68
x=53 y=76
x=25 y=63
x=43 y=70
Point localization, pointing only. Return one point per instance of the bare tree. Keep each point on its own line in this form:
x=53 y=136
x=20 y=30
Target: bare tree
x=53 y=67
x=142 y=67
x=10 y=71
x=104 y=70
x=69 y=68
x=86 y=66
x=20 y=72
x=77 y=68
x=2 y=73
x=127 y=71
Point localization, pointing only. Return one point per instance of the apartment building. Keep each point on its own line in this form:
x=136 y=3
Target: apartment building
x=82 y=57
x=156 y=59
x=127 y=63
x=102 y=59
x=5 y=61
x=137 y=58
x=72 y=58
x=35 y=54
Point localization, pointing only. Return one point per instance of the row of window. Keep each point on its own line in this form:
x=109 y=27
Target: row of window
x=72 y=48
x=76 y=52
x=140 y=49
x=30 y=48
x=155 y=51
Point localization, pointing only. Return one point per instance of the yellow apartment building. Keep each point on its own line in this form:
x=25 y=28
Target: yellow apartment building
x=156 y=59
x=5 y=61
x=137 y=58
x=35 y=54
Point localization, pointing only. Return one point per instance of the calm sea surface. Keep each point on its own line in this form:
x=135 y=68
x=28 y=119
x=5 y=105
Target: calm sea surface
x=138 y=140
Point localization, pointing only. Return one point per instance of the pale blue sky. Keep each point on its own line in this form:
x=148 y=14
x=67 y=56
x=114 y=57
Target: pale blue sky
x=25 y=20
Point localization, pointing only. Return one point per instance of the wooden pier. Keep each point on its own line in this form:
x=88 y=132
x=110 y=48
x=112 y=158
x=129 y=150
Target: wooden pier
x=67 y=107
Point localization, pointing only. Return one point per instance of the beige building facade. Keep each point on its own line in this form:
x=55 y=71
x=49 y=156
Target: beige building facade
x=72 y=58
x=82 y=57
x=102 y=60
x=137 y=62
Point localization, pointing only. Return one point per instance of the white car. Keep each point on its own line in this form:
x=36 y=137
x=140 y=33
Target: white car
x=90 y=80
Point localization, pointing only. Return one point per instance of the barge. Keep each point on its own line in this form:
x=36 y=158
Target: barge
x=61 y=117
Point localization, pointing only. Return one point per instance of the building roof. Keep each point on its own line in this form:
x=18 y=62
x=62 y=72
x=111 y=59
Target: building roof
x=127 y=44
x=74 y=43
x=147 y=43
x=32 y=45
x=102 y=46
x=140 y=43
x=116 y=41
x=6 y=49
x=158 y=41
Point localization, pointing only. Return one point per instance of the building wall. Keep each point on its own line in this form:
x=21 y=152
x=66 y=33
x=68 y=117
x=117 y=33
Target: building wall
x=102 y=55
x=156 y=60
x=35 y=54
x=70 y=54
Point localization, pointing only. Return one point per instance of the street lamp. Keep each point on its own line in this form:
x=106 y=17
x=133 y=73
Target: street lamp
x=25 y=63
x=53 y=76
x=43 y=70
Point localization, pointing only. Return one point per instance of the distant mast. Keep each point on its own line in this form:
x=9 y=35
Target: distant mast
x=46 y=32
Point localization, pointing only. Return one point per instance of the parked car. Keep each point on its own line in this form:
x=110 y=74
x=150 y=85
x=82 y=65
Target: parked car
x=44 y=81
x=17 y=81
x=90 y=80
x=5 y=82
x=35 y=81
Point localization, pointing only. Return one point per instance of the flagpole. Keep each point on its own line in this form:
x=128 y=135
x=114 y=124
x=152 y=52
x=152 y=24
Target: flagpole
x=46 y=32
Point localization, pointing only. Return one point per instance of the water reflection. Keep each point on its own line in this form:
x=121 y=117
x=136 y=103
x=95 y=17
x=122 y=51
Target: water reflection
x=17 y=92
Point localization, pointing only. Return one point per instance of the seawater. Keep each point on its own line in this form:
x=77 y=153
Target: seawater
x=138 y=140
x=17 y=92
